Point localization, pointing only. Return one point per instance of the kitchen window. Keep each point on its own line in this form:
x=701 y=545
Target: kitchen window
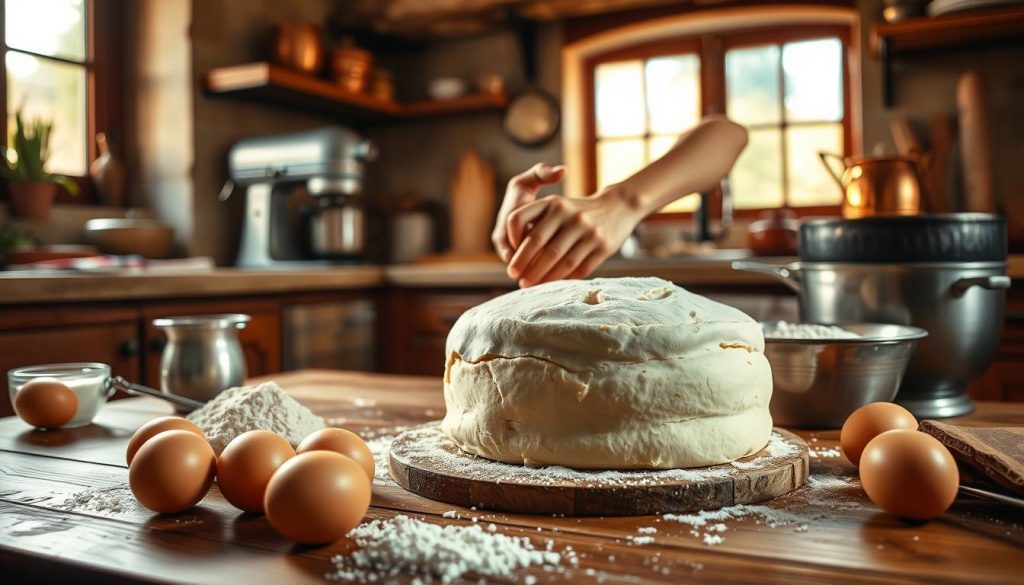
x=62 y=62
x=788 y=85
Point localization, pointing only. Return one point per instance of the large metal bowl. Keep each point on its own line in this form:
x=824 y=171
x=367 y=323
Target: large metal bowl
x=819 y=382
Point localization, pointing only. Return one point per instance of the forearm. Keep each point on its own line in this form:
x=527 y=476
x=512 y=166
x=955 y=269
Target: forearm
x=697 y=162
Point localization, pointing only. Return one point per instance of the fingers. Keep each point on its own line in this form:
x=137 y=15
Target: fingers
x=537 y=176
x=539 y=238
x=521 y=191
x=518 y=220
x=537 y=260
x=563 y=267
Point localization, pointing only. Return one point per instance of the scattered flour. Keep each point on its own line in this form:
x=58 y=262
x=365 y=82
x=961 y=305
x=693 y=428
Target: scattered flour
x=784 y=330
x=406 y=546
x=640 y=540
x=429 y=443
x=264 y=407
x=380 y=447
x=824 y=452
x=113 y=500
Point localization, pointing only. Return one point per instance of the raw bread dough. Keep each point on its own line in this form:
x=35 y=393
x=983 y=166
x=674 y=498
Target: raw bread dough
x=610 y=373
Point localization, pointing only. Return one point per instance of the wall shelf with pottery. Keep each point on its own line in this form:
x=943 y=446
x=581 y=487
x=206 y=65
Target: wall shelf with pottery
x=271 y=84
x=962 y=30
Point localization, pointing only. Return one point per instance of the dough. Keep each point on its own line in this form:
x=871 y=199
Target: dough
x=609 y=373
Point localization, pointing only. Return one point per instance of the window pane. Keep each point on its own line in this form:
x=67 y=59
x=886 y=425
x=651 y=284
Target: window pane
x=659 y=145
x=809 y=181
x=814 y=80
x=756 y=180
x=618 y=159
x=619 y=91
x=673 y=93
x=55 y=92
x=48 y=27
x=752 y=84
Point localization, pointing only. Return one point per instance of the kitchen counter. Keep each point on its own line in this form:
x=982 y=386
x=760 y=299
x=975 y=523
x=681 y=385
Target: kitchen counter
x=828 y=532
x=19 y=288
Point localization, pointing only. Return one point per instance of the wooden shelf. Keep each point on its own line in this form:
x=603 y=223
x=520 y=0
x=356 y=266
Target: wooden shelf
x=950 y=31
x=268 y=83
x=960 y=30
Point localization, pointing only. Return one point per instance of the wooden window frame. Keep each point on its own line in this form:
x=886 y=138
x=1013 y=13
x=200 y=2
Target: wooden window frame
x=710 y=49
x=104 y=73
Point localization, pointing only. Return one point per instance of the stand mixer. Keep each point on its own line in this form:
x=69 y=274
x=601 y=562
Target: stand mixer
x=327 y=225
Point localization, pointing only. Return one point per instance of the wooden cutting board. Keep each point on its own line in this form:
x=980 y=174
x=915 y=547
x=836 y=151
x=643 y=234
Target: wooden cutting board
x=471 y=201
x=426 y=463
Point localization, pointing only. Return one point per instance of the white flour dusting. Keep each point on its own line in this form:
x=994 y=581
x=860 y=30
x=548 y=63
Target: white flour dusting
x=784 y=330
x=406 y=546
x=380 y=447
x=265 y=407
x=429 y=443
x=113 y=500
x=824 y=452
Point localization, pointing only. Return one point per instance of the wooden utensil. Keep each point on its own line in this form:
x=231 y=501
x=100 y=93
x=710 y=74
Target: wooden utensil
x=471 y=206
x=459 y=478
x=942 y=135
x=908 y=145
x=975 y=143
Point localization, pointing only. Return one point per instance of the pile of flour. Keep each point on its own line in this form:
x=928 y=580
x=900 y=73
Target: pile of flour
x=265 y=407
x=404 y=545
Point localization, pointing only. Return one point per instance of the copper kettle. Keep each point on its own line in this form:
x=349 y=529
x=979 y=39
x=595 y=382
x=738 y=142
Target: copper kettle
x=872 y=185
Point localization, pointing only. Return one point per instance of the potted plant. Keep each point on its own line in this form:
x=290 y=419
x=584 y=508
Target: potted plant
x=32 y=187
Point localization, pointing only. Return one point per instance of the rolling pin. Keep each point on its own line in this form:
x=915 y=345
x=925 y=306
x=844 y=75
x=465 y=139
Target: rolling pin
x=975 y=143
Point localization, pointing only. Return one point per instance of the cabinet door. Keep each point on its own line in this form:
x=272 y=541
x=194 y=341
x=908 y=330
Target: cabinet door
x=416 y=325
x=261 y=338
x=116 y=344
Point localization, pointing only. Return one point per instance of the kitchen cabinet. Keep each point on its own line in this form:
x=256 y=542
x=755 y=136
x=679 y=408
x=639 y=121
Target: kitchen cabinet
x=106 y=334
x=334 y=330
x=1004 y=379
x=261 y=338
x=415 y=326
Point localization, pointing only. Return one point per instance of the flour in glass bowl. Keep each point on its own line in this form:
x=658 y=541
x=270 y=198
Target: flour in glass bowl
x=265 y=407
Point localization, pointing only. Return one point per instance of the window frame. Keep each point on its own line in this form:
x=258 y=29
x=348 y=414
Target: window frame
x=711 y=48
x=104 y=75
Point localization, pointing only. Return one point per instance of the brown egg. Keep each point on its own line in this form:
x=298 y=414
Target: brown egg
x=246 y=465
x=46 y=403
x=909 y=474
x=317 y=497
x=172 y=471
x=159 y=425
x=340 y=441
x=869 y=421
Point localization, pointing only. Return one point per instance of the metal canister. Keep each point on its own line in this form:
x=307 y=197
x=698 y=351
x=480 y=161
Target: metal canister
x=203 y=356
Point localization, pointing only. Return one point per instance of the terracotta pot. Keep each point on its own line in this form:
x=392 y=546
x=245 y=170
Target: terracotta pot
x=773 y=234
x=351 y=67
x=32 y=200
x=298 y=46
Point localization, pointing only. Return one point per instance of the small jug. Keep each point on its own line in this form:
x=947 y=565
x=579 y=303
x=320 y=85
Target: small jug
x=203 y=355
x=877 y=185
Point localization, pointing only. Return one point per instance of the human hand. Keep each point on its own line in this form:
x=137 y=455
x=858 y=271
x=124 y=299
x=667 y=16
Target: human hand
x=521 y=190
x=560 y=237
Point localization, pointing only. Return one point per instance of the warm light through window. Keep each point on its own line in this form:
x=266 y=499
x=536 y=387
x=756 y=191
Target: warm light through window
x=45 y=57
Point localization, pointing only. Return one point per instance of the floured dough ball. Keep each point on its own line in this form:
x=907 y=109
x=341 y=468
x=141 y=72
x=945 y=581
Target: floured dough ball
x=610 y=373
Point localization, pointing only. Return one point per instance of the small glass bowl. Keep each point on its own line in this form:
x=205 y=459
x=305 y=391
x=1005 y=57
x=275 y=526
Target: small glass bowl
x=88 y=380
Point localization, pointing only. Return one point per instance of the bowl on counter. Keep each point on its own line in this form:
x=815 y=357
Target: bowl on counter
x=88 y=380
x=818 y=382
x=130 y=236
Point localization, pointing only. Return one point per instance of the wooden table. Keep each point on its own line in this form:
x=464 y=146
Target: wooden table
x=843 y=539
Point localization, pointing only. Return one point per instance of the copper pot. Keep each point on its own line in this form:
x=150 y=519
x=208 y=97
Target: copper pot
x=351 y=67
x=298 y=46
x=877 y=185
